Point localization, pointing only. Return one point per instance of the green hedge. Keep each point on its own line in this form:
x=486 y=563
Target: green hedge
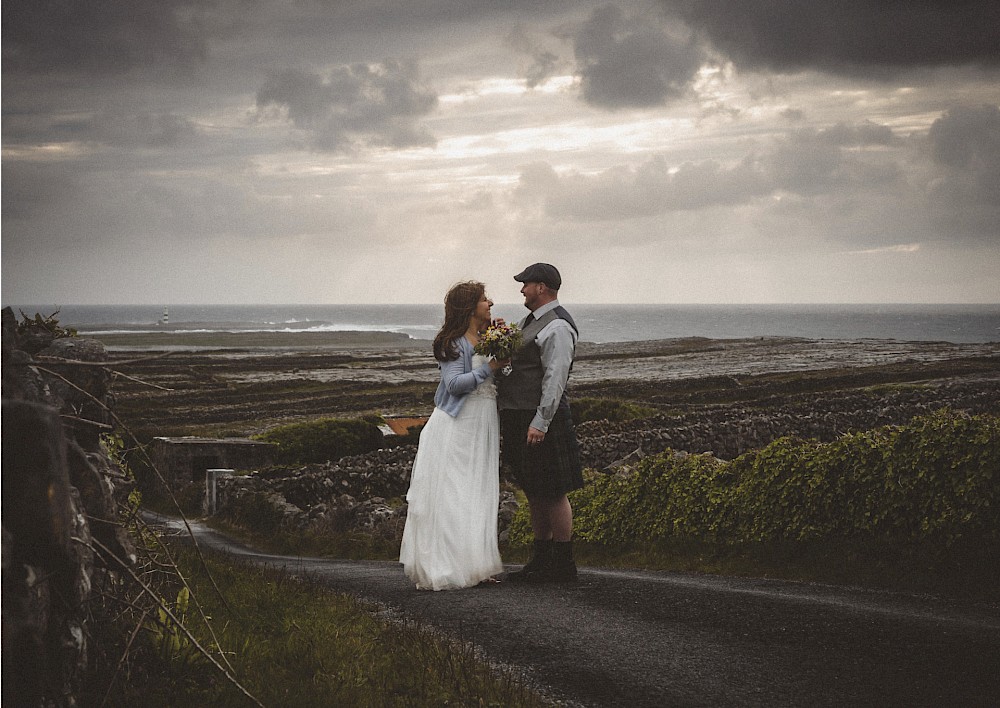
x=935 y=480
x=325 y=439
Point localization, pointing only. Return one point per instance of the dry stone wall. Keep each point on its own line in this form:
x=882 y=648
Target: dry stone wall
x=731 y=430
x=61 y=492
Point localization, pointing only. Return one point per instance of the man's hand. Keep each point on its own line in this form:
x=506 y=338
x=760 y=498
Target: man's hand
x=535 y=436
x=497 y=365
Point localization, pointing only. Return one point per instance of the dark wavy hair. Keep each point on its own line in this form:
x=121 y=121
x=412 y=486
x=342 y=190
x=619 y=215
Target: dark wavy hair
x=459 y=306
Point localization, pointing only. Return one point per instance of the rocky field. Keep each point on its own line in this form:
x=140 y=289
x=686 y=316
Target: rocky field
x=245 y=391
x=723 y=397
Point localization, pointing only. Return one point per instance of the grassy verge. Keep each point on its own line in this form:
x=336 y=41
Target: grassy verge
x=293 y=643
x=971 y=573
x=352 y=546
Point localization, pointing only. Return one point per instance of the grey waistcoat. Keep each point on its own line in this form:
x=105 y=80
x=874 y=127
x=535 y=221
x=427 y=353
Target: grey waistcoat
x=522 y=388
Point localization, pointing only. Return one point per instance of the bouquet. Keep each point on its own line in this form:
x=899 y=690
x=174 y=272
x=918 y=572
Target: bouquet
x=499 y=341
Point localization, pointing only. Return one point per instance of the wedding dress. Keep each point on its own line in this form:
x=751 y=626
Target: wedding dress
x=450 y=536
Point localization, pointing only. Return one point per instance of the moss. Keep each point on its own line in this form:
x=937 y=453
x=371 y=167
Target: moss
x=586 y=409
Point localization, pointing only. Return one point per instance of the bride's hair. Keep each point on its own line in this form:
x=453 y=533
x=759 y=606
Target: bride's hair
x=459 y=306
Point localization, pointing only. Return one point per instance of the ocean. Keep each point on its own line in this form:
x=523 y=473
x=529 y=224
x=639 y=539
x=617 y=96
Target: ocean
x=598 y=323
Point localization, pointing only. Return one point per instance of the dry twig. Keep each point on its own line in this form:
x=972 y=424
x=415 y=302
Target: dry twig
x=169 y=613
x=142 y=527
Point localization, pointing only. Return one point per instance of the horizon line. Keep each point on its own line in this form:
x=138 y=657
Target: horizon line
x=495 y=302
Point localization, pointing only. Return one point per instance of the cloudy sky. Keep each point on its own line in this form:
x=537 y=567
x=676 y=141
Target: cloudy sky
x=672 y=151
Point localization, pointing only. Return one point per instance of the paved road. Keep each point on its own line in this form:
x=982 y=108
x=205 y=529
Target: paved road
x=621 y=638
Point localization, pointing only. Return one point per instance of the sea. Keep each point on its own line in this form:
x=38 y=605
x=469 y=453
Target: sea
x=975 y=323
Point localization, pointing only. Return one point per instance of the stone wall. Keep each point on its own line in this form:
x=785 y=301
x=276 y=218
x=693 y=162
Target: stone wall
x=728 y=431
x=61 y=492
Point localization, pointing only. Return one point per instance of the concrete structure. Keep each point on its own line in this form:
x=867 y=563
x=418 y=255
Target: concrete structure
x=212 y=489
x=185 y=460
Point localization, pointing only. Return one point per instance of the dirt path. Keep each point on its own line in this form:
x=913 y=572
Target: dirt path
x=620 y=638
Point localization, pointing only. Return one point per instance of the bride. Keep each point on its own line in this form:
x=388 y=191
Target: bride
x=450 y=536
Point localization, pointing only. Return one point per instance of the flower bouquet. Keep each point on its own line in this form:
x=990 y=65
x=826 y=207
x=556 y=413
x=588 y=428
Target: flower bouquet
x=499 y=341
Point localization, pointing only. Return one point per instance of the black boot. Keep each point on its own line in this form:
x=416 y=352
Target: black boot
x=562 y=569
x=541 y=559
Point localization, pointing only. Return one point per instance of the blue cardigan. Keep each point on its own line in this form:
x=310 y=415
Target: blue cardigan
x=458 y=379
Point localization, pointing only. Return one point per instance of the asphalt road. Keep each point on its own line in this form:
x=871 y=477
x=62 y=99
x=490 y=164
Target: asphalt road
x=621 y=638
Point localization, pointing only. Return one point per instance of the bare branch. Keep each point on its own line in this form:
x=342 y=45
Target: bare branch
x=93 y=423
x=76 y=362
x=140 y=381
x=121 y=661
x=169 y=613
x=156 y=471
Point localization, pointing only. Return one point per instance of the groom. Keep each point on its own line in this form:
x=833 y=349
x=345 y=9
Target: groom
x=537 y=436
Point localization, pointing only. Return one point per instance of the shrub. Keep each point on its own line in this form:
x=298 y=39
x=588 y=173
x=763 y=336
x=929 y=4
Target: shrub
x=33 y=334
x=323 y=440
x=257 y=512
x=666 y=495
x=934 y=481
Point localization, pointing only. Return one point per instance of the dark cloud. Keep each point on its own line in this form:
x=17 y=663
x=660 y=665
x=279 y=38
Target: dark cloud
x=844 y=135
x=30 y=189
x=847 y=36
x=543 y=66
x=140 y=130
x=110 y=127
x=651 y=188
x=49 y=205
x=967 y=137
x=809 y=163
x=793 y=115
x=374 y=104
x=965 y=142
x=101 y=36
x=633 y=61
x=544 y=62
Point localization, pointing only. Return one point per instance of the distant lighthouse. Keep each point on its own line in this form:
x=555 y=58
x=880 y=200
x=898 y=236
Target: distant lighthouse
x=166 y=316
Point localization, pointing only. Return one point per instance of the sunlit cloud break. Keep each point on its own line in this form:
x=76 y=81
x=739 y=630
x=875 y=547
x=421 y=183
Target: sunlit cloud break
x=899 y=248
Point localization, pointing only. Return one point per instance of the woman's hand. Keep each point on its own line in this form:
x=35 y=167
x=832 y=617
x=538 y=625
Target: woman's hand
x=498 y=322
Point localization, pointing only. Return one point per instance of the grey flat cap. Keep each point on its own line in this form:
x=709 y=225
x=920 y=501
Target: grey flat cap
x=540 y=273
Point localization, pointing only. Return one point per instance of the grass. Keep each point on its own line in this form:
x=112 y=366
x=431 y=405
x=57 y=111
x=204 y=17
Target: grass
x=971 y=573
x=295 y=643
x=964 y=572
x=319 y=544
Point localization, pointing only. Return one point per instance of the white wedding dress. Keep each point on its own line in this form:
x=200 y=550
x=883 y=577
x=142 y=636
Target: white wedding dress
x=450 y=536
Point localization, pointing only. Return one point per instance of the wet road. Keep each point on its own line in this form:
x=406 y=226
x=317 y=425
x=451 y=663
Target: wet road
x=621 y=638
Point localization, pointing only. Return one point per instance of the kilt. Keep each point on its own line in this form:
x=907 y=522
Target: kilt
x=550 y=469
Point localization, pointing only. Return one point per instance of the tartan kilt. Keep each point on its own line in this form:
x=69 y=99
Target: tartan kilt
x=548 y=470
